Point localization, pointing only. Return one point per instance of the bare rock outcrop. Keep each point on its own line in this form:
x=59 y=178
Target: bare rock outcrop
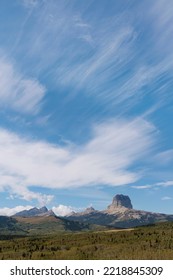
x=120 y=201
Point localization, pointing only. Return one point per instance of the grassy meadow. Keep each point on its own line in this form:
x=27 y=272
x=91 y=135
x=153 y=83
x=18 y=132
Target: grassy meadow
x=148 y=242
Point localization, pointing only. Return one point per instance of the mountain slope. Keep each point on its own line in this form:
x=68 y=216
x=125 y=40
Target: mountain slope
x=41 y=225
x=49 y=225
x=35 y=212
x=10 y=226
x=120 y=213
x=38 y=225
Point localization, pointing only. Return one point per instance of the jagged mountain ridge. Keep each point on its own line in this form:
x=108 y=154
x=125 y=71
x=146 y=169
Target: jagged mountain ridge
x=120 y=213
x=43 y=211
x=41 y=221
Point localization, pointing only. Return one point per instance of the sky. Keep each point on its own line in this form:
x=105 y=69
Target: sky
x=86 y=104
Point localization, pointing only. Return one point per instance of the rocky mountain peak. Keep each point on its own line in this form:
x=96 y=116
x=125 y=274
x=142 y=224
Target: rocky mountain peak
x=43 y=209
x=119 y=201
x=89 y=209
x=33 y=212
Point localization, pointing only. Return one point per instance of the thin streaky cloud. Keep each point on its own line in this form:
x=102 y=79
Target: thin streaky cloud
x=112 y=52
x=19 y=93
x=20 y=33
x=90 y=84
x=156 y=184
x=142 y=187
x=94 y=73
x=162 y=15
x=30 y=3
x=165 y=184
x=93 y=163
x=165 y=157
x=166 y=198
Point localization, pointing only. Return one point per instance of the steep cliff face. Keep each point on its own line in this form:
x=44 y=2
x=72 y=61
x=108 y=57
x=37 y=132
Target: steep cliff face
x=120 y=213
x=120 y=201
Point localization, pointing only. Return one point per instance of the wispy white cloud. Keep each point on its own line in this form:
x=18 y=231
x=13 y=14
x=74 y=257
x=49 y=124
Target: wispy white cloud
x=142 y=187
x=17 y=92
x=93 y=74
x=63 y=210
x=165 y=184
x=94 y=56
x=166 y=198
x=157 y=184
x=6 y=211
x=17 y=187
x=30 y=3
x=107 y=158
x=81 y=54
x=162 y=16
x=58 y=31
x=165 y=157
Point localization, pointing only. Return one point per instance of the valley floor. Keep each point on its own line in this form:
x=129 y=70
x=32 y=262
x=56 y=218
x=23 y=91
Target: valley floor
x=149 y=242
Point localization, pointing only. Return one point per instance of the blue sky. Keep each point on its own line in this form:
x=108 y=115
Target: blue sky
x=86 y=104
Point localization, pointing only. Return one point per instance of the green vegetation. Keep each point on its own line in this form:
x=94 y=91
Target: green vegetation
x=40 y=225
x=149 y=242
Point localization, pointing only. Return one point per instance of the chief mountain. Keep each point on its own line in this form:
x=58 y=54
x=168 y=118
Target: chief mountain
x=119 y=214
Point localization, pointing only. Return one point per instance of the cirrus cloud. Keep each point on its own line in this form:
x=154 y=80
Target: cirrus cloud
x=19 y=93
x=108 y=158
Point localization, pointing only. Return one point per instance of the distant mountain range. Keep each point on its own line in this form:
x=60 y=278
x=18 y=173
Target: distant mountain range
x=41 y=225
x=119 y=214
x=41 y=221
x=35 y=212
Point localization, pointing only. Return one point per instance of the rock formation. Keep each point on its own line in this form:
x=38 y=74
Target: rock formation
x=119 y=201
x=35 y=212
